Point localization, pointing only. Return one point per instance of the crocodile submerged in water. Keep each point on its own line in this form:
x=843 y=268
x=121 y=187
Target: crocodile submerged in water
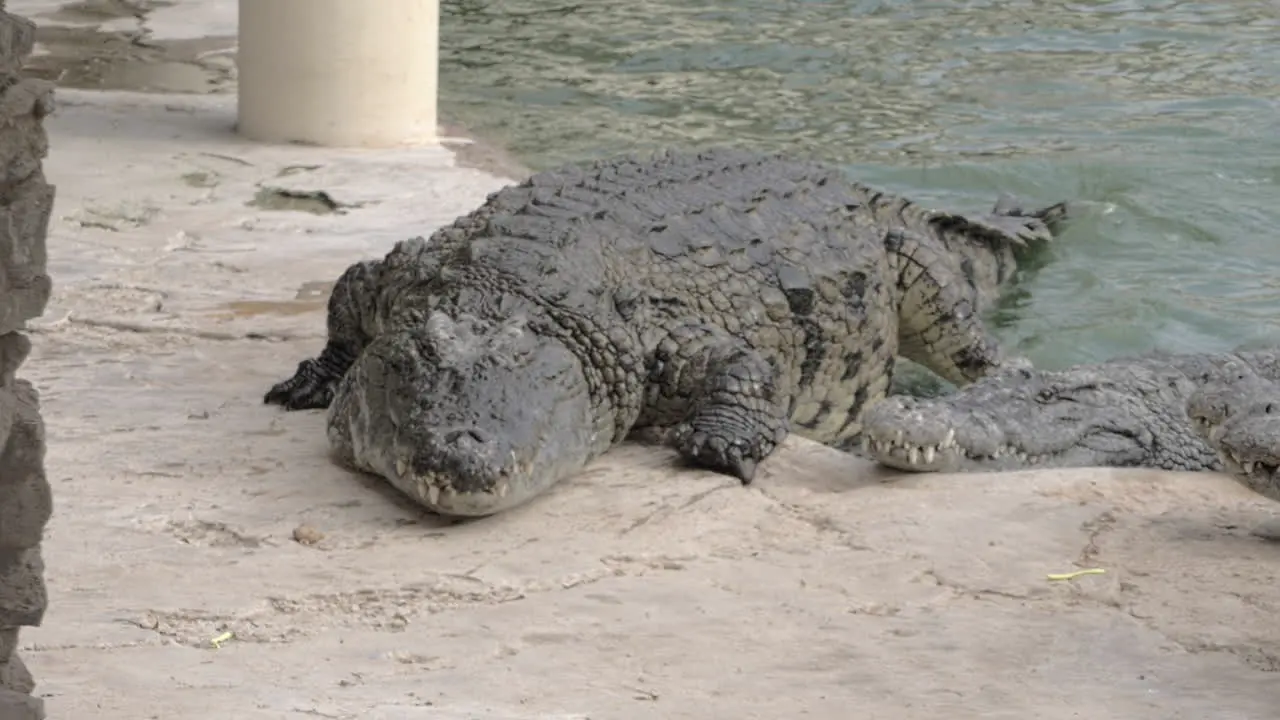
x=716 y=299
x=1128 y=412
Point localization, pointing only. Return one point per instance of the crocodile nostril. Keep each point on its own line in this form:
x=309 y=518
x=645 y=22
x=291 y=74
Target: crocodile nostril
x=469 y=436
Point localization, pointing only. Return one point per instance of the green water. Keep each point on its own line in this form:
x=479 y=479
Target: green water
x=1162 y=117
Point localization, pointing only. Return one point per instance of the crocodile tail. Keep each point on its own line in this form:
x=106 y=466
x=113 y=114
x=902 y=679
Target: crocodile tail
x=983 y=249
x=1051 y=217
x=1008 y=225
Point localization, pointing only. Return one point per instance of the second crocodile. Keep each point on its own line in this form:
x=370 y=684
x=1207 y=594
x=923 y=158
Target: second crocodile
x=1239 y=417
x=1129 y=412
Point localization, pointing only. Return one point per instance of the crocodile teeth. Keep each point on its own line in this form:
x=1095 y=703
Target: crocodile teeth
x=897 y=447
x=1248 y=467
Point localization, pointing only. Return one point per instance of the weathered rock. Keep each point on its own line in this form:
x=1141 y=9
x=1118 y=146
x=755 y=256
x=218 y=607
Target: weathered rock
x=17 y=39
x=22 y=592
x=15 y=679
x=24 y=224
x=14 y=349
x=15 y=676
x=20 y=706
x=26 y=500
x=23 y=142
x=26 y=204
x=8 y=641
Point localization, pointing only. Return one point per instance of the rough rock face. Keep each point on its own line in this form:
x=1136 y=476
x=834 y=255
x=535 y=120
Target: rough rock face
x=26 y=201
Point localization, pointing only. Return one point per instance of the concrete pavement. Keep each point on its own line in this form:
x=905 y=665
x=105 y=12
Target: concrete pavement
x=186 y=510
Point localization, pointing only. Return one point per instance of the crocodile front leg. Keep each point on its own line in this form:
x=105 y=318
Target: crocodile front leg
x=314 y=382
x=732 y=418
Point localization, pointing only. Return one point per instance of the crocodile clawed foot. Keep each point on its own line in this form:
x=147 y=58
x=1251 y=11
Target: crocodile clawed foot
x=308 y=389
x=714 y=451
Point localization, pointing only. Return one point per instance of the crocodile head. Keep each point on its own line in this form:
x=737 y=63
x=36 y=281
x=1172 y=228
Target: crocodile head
x=1240 y=420
x=1118 y=415
x=469 y=416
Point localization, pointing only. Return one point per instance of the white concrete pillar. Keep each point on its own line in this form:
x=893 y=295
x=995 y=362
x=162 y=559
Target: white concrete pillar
x=342 y=73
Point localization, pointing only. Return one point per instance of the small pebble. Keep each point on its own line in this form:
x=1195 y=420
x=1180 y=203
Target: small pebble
x=307 y=535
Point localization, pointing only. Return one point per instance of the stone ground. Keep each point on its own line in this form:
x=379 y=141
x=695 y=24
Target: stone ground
x=190 y=270
x=185 y=510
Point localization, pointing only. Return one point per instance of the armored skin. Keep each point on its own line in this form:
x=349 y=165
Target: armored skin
x=716 y=299
x=1149 y=411
x=1239 y=417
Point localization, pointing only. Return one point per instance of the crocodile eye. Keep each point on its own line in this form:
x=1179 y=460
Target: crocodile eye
x=1267 y=410
x=1045 y=395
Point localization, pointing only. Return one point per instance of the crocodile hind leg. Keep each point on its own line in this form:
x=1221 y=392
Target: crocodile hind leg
x=984 y=249
x=314 y=382
x=726 y=391
x=938 y=322
x=950 y=269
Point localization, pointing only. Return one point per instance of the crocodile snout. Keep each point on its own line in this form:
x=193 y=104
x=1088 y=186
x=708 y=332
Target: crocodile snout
x=463 y=460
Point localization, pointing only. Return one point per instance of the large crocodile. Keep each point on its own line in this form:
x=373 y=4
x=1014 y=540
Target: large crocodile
x=1128 y=412
x=1239 y=417
x=719 y=297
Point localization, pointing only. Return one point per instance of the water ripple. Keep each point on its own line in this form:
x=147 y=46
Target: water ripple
x=1160 y=114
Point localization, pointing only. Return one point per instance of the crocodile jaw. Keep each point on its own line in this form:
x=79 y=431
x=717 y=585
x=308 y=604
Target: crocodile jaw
x=935 y=437
x=1245 y=453
x=1258 y=475
x=895 y=450
x=993 y=428
x=1241 y=422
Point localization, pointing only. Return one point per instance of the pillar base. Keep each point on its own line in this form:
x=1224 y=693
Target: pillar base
x=338 y=73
